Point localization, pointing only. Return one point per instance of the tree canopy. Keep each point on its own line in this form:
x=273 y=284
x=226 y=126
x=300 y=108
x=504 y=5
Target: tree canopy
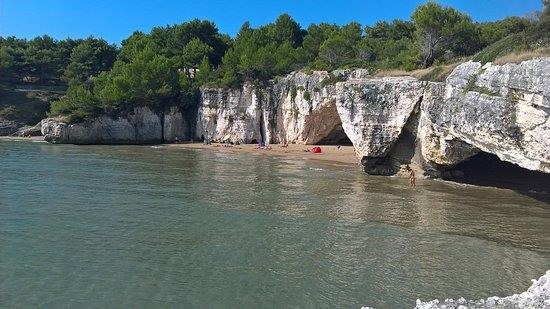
x=440 y=29
x=150 y=70
x=89 y=58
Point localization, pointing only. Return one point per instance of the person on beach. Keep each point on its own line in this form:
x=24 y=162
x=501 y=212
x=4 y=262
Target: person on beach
x=412 y=177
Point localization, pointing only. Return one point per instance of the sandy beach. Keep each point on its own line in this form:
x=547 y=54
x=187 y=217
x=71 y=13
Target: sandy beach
x=330 y=153
x=23 y=139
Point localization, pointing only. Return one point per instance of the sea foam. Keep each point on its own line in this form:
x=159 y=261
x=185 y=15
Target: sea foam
x=537 y=296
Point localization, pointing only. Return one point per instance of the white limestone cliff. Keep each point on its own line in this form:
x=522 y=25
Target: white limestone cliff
x=392 y=121
x=141 y=126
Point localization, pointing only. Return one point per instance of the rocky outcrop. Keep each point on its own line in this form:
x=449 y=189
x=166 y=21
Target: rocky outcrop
x=27 y=131
x=298 y=108
x=311 y=108
x=231 y=115
x=141 y=126
x=536 y=296
x=374 y=111
x=175 y=127
x=437 y=144
x=502 y=110
x=304 y=109
x=8 y=127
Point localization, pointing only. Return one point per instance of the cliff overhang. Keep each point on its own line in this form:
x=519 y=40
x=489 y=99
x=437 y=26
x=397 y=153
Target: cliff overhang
x=392 y=122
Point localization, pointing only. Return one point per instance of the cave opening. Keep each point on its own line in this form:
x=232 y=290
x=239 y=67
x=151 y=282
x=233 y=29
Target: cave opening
x=399 y=154
x=485 y=169
x=337 y=136
x=324 y=127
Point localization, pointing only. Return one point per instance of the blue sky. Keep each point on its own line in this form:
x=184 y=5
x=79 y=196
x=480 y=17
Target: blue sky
x=114 y=20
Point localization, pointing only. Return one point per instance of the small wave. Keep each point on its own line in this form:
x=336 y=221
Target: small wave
x=157 y=147
x=315 y=169
x=537 y=296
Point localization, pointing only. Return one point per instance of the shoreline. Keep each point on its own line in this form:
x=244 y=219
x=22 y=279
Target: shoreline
x=329 y=153
x=343 y=157
x=39 y=139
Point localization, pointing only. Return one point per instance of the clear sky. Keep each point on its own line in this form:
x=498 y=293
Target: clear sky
x=114 y=20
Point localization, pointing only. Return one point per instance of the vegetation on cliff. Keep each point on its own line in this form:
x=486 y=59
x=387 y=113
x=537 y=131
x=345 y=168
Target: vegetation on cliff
x=167 y=66
x=35 y=72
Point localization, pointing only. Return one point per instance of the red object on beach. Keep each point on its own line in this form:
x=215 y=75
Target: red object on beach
x=316 y=149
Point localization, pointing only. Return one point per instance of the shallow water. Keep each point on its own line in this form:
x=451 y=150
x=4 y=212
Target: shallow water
x=136 y=226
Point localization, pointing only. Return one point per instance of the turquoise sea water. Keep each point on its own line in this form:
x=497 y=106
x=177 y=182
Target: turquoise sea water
x=136 y=226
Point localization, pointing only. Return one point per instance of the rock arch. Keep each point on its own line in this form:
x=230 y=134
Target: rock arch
x=324 y=127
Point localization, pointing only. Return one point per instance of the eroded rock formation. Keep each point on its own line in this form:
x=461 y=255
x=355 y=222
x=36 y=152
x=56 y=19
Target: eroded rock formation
x=8 y=127
x=297 y=108
x=392 y=121
x=142 y=126
x=503 y=110
x=27 y=131
x=231 y=115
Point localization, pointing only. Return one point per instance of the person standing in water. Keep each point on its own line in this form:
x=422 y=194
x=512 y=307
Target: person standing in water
x=412 y=177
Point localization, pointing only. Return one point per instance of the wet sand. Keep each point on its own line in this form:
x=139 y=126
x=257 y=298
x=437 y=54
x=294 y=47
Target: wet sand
x=25 y=139
x=330 y=153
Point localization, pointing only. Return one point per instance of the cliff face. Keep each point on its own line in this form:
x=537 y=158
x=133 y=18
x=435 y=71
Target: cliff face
x=230 y=115
x=392 y=121
x=374 y=111
x=503 y=110
x=296 y=108
x=142 y=126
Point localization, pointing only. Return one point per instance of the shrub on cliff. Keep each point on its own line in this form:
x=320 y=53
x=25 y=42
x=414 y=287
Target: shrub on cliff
x=389 y=46
x=522 y=37
x=78 y=104
x=40 y=60
x=148 y=79
x=259 y=54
